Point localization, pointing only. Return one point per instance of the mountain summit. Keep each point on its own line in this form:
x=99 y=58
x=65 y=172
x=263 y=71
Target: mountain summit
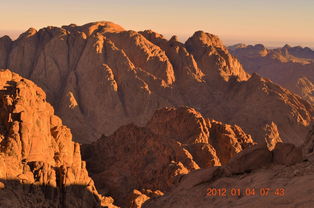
x=100 y=76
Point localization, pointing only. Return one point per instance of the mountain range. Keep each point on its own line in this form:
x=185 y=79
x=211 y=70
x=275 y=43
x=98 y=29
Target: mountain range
x=291 y=67
x=155 y=122
x=100 y=76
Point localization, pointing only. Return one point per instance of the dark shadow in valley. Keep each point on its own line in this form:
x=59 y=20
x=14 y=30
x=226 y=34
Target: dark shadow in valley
x=14 y=194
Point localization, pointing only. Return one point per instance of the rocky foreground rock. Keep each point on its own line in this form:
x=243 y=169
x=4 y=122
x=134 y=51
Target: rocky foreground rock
x=256 y=177
x=40 y=165
x=148 y=161
x=291 y=67
x=100 y=76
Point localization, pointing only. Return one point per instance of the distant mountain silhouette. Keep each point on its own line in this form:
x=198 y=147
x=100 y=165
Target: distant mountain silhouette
x=291 y=67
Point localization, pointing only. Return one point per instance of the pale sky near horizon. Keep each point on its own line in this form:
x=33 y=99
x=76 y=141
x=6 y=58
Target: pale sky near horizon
x=271 y=22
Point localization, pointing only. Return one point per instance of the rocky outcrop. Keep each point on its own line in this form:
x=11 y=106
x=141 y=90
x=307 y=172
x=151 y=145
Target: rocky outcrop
x=256 y=177
x=99 y=77
x=40 y=165
x=213 y=58
x=291 y=67
x=305 y=88
x=308 y=146
x=153 y=158
x=272 y=136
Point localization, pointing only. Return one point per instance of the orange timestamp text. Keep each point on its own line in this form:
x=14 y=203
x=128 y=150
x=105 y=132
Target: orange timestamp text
x=263 y=192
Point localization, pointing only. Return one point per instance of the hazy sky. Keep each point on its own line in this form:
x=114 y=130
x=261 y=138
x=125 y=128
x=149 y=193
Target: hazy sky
x=272 y=22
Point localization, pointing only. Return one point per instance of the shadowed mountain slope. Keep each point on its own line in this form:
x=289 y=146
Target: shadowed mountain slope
x=152 y=159
x=291 y=67
x=100 y=76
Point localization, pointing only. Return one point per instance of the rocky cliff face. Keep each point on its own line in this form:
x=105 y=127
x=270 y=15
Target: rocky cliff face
x=291 y=67
x=142 y=162
x=40 y=165
x=99 y=77
x=256 y=177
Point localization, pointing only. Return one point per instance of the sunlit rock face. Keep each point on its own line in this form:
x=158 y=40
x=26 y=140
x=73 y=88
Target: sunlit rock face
x=100 y=76
x=40 y=165
x=256 y=177
x=138 y=163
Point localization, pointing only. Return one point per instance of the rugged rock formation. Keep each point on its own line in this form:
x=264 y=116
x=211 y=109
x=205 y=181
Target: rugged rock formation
x=308 y=146
x=300 y=52
x=256 y=177
x=305 y=88
x=40 y=165
x=272 y=135
x=136 y=163
x=291 y=67
x=99 y=77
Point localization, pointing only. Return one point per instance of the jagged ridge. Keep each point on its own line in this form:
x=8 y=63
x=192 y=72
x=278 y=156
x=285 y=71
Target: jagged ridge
x=99 y=77
x=152 y=159
x=291 y=67
x=282 y=177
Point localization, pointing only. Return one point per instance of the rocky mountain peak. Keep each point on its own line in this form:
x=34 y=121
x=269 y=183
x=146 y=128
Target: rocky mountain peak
x=206 y=39
x=37 y=149
x=90 y=28
x=28 y=33
x=213 y=58
x=5 y=38
x=104 y=77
